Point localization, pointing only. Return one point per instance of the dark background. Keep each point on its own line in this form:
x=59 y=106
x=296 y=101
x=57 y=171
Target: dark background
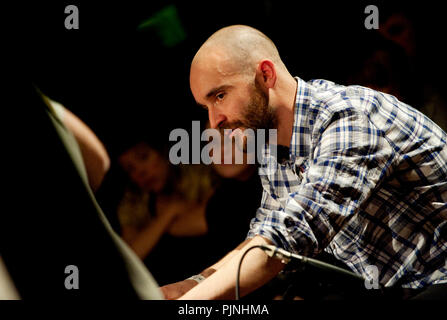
x=121 y=81
x=124 y=82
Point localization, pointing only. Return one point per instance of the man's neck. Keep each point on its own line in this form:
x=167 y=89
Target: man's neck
x=285 y=111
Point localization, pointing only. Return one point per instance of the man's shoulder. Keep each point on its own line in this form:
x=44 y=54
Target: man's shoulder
x=322 y=84
x=328 y=89
x=330 y=97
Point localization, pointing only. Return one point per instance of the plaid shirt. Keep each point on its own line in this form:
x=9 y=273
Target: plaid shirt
x=365 y=179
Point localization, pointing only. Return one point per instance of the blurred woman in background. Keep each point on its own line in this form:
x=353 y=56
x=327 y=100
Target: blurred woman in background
x=176 y=213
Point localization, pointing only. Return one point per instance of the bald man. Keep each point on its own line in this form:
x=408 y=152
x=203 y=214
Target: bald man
x=365 y=179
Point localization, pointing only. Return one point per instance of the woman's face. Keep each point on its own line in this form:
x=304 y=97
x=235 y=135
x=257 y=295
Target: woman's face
x=145 y=166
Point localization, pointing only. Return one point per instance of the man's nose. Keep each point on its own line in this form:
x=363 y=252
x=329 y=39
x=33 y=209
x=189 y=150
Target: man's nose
x=216 y=118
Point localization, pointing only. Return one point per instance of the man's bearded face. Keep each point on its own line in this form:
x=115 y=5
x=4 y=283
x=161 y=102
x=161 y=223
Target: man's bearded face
x=257 y=114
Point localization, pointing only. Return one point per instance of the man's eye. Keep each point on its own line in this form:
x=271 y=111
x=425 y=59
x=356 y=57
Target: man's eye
x=220 y=96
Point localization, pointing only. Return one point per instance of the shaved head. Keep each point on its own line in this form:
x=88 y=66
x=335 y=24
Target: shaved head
x=237 y=75
x=241 y=46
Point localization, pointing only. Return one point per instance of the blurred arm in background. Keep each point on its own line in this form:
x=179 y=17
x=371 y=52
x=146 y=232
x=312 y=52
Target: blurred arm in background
x=94 y=154
x=7 y=288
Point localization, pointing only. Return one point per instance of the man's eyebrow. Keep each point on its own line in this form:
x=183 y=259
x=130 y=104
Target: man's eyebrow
x=213 y=91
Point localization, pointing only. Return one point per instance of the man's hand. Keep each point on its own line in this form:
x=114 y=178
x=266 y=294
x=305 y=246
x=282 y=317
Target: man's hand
x=176 y=290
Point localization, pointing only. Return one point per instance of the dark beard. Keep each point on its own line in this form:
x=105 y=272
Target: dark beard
x=257 y=114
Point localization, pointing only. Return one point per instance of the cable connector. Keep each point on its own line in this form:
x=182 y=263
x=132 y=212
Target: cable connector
x=275 y=252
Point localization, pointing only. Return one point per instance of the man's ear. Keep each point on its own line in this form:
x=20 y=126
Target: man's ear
x=266 y=74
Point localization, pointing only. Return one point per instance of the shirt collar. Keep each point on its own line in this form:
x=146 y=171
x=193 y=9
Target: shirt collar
x=300 y=142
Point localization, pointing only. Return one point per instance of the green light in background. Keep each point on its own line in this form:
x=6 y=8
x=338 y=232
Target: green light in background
x=166 y=24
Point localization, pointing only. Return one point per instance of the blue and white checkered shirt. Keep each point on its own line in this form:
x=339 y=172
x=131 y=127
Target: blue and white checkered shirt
x=365 y=180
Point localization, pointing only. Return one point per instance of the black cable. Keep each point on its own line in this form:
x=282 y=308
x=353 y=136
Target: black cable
x=327 y=266
x=303 y=259
x=240 y=264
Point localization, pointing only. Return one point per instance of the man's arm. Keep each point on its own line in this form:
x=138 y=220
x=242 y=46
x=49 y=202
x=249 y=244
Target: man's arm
x=257 y=269
x=176 y=290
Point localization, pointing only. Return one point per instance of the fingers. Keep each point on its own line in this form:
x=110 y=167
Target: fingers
x=169 y=293
x=176 y=290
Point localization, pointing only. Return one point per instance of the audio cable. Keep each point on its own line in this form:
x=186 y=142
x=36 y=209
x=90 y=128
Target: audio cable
x=285 y=257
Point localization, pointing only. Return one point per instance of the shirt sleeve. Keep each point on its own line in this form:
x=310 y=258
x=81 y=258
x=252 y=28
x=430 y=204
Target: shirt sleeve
x=349 y=158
